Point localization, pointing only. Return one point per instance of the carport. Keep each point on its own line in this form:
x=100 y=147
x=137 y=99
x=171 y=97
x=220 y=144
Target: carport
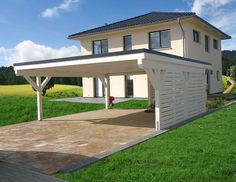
x=177 y=85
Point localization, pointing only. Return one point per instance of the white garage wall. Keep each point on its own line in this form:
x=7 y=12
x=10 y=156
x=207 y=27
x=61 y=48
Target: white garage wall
x=182 y=96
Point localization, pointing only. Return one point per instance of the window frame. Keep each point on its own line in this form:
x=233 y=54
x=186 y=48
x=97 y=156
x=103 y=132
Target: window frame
x=101 y=43
x=207 y=46
x=124 y=45
x=218 y=75
x=198 y=33
x=160 y=39
x=217 y=44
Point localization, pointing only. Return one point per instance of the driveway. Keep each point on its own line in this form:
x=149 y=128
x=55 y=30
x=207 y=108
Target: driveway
x=56 y=143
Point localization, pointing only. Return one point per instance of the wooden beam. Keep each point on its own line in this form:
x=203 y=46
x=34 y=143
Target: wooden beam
x=105 y=79
x=45 y=82
x=36 y=87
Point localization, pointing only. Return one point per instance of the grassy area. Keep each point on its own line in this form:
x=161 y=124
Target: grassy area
x=55 y=92
x=18 y=103
x=204 y=150
x=131 y=104
x=224 y=82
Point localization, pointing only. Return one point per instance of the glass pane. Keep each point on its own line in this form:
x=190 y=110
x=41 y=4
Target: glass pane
x=154 y=40
x=104 y=46
x=97 y=47
x=165 y=38
x=127 y=43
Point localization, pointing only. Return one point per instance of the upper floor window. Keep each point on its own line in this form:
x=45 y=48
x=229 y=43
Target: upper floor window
x=215 y=44
x=207 y=48
x=159 y=39
x=127 y=42
x=196 y=36
x=100 y=46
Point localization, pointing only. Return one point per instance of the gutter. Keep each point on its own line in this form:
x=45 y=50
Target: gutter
x=183 y=35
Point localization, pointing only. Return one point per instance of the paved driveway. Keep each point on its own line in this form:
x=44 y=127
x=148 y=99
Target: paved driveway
x=56 y=143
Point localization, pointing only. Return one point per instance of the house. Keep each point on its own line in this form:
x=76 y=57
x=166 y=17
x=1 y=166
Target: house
x=170 y=58
x=182 y=34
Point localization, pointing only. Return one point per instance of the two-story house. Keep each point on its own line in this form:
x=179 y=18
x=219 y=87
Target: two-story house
x=178 y=33
x=167 y=57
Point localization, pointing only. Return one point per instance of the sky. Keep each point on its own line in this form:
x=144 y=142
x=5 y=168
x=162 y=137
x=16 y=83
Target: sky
x=35 y=30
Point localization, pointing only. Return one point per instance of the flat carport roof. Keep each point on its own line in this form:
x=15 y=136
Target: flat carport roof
x=138 y=61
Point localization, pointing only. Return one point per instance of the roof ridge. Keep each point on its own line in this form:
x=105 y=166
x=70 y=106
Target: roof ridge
x=115 y=22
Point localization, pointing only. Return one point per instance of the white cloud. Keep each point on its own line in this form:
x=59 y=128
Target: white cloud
x=30 y=51
x=66 y=5
x=203 y=7
x=220 y=15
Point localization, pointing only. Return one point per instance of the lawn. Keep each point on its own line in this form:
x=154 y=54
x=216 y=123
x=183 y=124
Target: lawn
x=57 y=91
x=18 y=103
x=224 y=82
x=204 y=150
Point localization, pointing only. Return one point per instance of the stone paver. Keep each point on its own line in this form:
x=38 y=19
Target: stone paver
x=56 y=143
x=90 y=100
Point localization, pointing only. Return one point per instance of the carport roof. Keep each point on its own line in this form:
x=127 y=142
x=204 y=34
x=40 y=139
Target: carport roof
x=116 y=63
x=109 y=55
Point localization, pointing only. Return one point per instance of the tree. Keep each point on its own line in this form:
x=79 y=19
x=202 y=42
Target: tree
x=233 y=72
x=50 y=84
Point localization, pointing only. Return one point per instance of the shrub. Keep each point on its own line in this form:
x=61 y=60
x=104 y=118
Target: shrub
x=212 y=104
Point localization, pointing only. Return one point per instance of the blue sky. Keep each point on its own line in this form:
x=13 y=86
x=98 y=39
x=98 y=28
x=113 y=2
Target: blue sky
x=31 y=29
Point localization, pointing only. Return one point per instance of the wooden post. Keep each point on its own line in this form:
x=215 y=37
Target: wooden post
x=107 y=92
x=157 y=110
x=39 y=98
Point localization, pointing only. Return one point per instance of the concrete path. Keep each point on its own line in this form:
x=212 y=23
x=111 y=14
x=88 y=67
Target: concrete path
x=54 y=144
x=18 y=173
x=230 y=88
x=92 y=100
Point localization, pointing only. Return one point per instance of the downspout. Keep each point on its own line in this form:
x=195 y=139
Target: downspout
x=183 y=35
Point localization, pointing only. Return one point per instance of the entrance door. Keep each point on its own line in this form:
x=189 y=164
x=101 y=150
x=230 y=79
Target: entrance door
x=129 y=86
x=98 y=88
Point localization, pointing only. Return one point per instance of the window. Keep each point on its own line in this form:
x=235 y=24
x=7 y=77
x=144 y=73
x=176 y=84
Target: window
x=127 y=42
x=207 y=43
x=215 y=44
x=159 y=39
x=218 y=75
x=196 y=36
x=100 y=46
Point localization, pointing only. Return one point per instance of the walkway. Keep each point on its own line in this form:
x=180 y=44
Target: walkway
x=18 y=173
x=230 y=88
x=91 y=100
x=54 y=144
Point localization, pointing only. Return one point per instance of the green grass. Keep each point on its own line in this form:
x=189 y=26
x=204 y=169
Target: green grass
x=18 y=109
x=132 y=104
x=204 y=150
x=224 y=82
x=18 y=103
x=234 y=90
x=57 y=91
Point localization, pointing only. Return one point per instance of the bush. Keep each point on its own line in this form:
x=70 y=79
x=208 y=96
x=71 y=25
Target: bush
x=233 y=72
x=216 y=103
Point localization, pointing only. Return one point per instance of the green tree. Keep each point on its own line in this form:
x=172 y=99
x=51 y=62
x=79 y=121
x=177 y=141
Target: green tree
x=50 y=85
x=233 y=72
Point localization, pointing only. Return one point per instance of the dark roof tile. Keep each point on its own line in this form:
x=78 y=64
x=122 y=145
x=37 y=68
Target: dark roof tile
x=153 y=17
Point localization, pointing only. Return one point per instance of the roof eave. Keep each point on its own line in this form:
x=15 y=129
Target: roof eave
x=224 y=35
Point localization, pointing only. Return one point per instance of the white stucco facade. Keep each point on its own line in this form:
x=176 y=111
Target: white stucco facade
x=182 y=44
